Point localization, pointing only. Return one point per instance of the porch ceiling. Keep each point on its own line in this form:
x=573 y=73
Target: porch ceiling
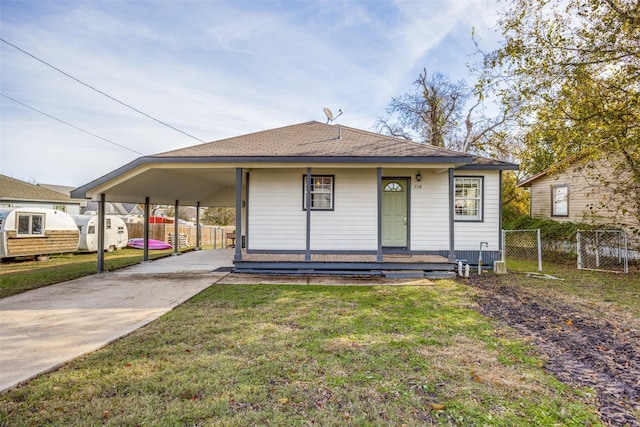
x=188 y=185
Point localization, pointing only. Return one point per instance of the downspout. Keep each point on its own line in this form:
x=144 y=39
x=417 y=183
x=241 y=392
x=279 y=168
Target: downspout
x=101 y=221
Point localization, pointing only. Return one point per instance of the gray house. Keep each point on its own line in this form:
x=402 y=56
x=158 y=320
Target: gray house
x=315 y=197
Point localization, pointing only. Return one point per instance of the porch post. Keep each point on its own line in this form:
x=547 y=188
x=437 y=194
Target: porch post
x=101 y=221
x=500 y=212
x=307 y=254
x=145 y=256
x=176 y=239
x=452 y=236
x=238 y=252
x=198 y=226
x=379 y=180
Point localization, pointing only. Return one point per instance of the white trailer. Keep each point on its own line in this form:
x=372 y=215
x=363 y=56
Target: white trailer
x=28 y=231
x=116 y=235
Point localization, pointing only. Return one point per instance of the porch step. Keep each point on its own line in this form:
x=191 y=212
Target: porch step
x=403 y=274
x=439 y=275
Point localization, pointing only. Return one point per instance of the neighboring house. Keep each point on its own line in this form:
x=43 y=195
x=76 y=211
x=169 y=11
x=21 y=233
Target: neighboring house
x=129 y=212
x=573 y=191
x=16 y=193
x=317 y=197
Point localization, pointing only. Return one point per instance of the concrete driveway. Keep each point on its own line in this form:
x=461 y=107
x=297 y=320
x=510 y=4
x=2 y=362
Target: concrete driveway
x=44 y=328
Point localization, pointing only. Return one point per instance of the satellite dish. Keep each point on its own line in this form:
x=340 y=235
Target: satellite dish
x=330 y=116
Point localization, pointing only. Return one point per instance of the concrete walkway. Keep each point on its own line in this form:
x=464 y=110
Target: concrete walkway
x=44 y=328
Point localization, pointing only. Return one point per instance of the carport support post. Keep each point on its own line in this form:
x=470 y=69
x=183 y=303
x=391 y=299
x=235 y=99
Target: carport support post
x=176 y=238
x=198 y=226
x=101 y=216
x=146 y=230
x=238 y=252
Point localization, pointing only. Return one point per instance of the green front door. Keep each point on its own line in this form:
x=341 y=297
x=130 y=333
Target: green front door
x=394 y=213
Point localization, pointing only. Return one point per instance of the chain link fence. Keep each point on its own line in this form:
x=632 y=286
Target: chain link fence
x=603 y=250
x=522 y=250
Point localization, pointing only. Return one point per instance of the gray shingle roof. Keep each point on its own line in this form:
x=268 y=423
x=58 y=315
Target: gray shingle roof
x=14 y=189
x=311 y=139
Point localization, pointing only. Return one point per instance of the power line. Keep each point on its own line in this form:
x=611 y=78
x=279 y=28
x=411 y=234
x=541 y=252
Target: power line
x=101 y=92
x=69 y=124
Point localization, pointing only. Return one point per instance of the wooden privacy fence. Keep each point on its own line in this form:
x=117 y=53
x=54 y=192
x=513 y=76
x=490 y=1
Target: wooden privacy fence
x=210 y=235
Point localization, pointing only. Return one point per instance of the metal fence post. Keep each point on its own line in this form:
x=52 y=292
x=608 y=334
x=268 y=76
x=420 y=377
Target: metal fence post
x=539 y=251
x=626 y=253
x=597 y=248
x=579 y=250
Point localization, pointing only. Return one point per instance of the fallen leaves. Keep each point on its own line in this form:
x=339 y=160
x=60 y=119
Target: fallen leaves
x=437 y=407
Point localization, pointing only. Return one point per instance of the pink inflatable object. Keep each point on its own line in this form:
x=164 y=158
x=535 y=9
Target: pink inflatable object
x=138 y=243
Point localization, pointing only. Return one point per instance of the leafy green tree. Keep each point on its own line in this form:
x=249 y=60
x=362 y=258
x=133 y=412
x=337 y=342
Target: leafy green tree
x=570 y=70
x=515 y=200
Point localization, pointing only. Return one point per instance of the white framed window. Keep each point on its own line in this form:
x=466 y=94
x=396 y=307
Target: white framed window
x=321 y=192
x=560 y=200
x=30 y=224
x=468 y=201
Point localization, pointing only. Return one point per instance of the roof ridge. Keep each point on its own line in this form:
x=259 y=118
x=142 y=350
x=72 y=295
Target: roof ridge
x=244 y=135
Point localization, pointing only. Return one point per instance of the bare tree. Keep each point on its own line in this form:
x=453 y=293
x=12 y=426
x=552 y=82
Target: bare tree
x=437 y=113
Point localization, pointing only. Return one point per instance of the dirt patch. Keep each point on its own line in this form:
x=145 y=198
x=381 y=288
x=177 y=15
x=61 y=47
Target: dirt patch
x=580 y=347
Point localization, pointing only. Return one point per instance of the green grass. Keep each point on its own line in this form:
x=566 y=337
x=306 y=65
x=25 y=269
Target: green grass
x=301 y=355
x=24 y=275
x=613 y=293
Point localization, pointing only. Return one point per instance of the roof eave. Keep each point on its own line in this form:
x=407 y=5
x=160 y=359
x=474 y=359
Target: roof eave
x=504 y=166
x=81 y=192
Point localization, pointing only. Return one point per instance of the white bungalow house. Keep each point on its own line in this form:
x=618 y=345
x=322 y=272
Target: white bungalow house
x=316 y=197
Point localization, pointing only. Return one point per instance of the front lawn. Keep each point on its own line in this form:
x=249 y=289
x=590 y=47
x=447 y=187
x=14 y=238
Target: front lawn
x=239 y=355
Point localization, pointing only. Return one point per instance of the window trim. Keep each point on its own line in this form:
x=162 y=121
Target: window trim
x=304 y=192
x=30 y=233
x=460 y=218
x=553 y=200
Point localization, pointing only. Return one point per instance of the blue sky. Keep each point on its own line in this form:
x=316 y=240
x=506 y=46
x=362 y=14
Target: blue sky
x=213 y=69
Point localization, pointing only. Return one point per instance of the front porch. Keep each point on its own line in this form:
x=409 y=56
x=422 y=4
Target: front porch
x=392 y=265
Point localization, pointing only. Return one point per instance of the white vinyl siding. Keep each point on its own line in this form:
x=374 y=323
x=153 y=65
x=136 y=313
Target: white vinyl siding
x=353 y=223
x=430 y=212
x=468 y=235
x=276 y=221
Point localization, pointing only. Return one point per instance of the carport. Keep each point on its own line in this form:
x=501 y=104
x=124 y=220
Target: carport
x=168 y=180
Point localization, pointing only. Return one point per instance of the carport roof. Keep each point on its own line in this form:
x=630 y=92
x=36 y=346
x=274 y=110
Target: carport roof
x=191 y=174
